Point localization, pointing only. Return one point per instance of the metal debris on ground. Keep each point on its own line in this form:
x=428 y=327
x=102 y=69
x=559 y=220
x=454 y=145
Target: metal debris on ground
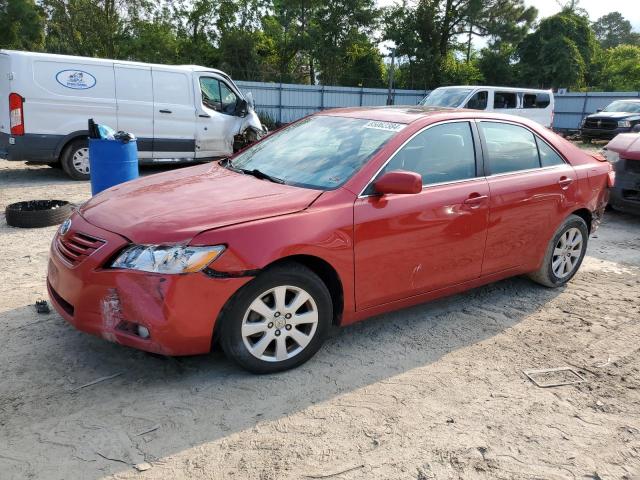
x=42 y=306
x=97 y=380
x=554 y=377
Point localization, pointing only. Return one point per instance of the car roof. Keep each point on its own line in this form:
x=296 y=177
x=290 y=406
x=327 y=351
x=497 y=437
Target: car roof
x=501 y=89
x=412 y=113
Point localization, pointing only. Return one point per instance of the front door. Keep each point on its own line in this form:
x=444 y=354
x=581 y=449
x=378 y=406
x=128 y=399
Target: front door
x=530 y=187
x=174 y=115
x=410 y=244
x=218 y=120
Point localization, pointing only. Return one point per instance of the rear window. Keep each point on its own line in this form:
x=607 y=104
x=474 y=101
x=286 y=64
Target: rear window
x=536 y=100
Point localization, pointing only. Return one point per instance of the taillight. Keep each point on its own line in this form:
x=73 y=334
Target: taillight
x=16 y=114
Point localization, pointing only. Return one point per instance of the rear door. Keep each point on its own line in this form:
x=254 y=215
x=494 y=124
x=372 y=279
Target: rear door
x=531 y=186
x=134 y=96
x=174 y=115
x=5 y=90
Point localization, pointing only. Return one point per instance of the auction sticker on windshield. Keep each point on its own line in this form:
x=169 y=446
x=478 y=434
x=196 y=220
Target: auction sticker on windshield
x=390 y=126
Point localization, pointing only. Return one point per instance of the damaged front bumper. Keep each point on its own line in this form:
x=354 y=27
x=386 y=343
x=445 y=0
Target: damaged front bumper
x=165 y=314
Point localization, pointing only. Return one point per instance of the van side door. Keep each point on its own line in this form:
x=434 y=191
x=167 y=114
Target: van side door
x=218 y=108
x=134 y=97
x=174 y=115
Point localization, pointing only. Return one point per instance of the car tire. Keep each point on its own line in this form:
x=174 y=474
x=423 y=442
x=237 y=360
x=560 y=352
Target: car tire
x=37 y=213
x=564 y=253
x=75 y=159
x=256 y=340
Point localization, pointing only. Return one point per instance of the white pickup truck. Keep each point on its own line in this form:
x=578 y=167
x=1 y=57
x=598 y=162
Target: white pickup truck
x=177 y=113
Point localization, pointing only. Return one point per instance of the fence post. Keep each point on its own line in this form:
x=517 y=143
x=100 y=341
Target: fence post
x=280 y=103
x=584 y=104
x=322 y=97
x=362 y=92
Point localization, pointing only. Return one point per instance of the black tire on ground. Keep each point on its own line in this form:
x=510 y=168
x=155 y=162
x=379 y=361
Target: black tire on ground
x=37 y=213
x=232 y=316
x=545 y=275
x=67 y=159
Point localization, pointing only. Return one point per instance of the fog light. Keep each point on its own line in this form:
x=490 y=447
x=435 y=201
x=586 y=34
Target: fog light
x=143 y=332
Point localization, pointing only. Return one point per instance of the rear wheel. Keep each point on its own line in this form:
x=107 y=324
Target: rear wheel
x=565 y=253
x=278 y=321
x=75 y=159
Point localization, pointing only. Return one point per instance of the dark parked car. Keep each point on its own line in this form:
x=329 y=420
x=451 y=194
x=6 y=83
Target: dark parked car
x=624 y=153
x=621 y=116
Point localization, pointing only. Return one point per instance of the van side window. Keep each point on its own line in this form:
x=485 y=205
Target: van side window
x=210 y=89
x=548 y=156
x=478 y=101
x=505 y=100
x=442 y=153
x=509 y=147
x=229 y=99
x=536 y=100
x=171 y=88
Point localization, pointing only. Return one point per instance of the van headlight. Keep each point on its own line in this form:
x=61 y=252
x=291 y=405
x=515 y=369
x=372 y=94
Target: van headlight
x=624 y=124
x=166 y=259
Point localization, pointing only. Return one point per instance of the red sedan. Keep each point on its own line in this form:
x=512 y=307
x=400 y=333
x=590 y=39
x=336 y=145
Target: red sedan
x=340 y=216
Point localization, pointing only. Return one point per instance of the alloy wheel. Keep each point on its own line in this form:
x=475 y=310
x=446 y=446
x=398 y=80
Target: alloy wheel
x=80 y=160
x=566 y=253
x=280 y=323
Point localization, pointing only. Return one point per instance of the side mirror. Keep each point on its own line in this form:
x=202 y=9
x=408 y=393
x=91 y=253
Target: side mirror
x=399 y=181
x=242 y=108
x=598 y=110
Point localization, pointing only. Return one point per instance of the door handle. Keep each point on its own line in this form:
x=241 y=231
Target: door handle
x=165 y=111
x=564 y=182
x=204 y=115
x=475 y=199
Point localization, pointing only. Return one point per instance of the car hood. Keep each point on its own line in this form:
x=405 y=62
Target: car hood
x=627 y=145
x=173 y=207
x=612 y=115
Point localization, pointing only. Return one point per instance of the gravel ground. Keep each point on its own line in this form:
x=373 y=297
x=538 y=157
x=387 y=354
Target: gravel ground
x=431 y=392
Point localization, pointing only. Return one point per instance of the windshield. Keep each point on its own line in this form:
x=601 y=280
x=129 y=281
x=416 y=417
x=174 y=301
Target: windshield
x=626 y=107
x=319 y=152
x=446 y=97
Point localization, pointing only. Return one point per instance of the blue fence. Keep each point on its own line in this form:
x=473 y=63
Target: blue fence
x=286 y=102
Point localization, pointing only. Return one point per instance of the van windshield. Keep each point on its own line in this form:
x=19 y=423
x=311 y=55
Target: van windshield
x=319 y=152
x=623 y=107
x=446 y=97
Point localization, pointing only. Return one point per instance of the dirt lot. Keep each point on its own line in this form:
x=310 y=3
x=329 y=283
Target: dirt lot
x=432 y=392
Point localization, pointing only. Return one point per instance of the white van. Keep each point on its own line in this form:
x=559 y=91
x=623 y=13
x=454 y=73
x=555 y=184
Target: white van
x=177 y=113
x=537 y=105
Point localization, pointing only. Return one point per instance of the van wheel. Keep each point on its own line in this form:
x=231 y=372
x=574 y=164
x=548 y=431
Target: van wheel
x=75 y=159
x=564 y=253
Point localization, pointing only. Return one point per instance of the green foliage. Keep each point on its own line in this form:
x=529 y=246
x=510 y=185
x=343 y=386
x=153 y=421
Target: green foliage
x=21 y=25
x=613 y=29
x=621 y=69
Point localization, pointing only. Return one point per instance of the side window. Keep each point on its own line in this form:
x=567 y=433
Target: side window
x=442 y=153
x=505 y=100
x=171 y=87
x=229 y=99
x=548 y=156
x=533 y=100
x=210 y=89
x=478 y=101
x=509 y=147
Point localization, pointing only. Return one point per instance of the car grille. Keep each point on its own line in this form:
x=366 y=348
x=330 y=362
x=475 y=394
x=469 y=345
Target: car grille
x=76 y=246
x=601 y=124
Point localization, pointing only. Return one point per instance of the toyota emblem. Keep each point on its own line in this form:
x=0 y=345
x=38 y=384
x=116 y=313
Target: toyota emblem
x=65 y=227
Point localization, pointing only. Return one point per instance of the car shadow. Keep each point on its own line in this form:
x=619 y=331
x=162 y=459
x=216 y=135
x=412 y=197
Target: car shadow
x=50 y=414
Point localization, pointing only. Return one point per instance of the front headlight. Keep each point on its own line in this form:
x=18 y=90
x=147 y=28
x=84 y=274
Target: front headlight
x=166 y=259
x=624 y=124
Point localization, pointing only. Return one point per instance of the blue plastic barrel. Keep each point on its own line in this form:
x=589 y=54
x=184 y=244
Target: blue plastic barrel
x=111 y=162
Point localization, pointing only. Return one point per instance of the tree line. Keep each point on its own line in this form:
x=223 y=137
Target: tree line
x=339 y=42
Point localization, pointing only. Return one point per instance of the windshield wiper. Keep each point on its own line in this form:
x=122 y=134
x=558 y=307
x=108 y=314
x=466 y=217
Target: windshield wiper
x=260 y=174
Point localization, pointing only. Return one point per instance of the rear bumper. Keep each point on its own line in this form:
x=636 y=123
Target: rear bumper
x=29 y=147
x=179 y=311
x=625 y=195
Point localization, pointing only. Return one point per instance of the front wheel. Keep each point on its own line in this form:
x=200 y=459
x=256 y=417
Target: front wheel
x=75 y=159
x=278 y=321
x=564 y=254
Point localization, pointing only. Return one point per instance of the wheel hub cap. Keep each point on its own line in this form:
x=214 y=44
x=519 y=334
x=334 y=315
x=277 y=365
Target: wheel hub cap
x=567 y=253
